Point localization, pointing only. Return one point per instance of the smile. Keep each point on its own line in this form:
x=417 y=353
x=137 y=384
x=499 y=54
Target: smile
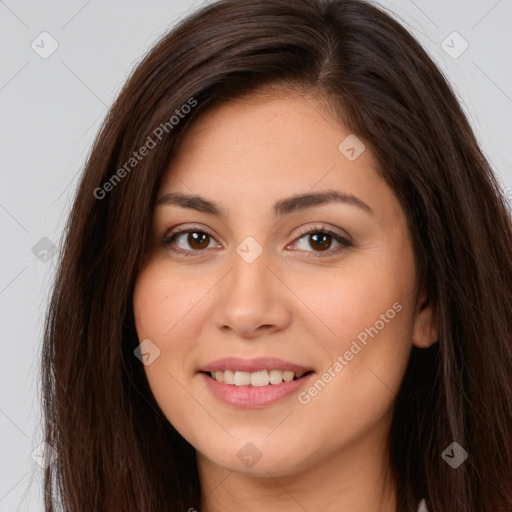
x=240 y=392
x=256 y=379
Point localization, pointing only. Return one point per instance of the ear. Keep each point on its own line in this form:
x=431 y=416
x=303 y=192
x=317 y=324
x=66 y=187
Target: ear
x=426 y=325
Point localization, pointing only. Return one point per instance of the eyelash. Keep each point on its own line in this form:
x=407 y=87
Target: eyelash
x=169 y=240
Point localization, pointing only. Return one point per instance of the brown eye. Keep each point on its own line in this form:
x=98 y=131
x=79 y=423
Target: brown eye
x=196 y=239
x=194 y=242
x=188 y=241
x=321 y=241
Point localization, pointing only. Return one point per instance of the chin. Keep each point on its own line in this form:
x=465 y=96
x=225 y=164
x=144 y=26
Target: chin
x=260 y=458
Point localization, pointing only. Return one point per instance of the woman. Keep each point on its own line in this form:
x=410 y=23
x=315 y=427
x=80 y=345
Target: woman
x=286 y=281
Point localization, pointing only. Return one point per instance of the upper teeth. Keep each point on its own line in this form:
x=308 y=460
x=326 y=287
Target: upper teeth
x=261 y=378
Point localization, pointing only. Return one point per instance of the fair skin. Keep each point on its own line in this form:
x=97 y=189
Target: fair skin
x=295 y=302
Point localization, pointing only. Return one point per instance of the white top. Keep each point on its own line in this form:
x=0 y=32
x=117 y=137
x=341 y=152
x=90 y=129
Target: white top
x=422 y=507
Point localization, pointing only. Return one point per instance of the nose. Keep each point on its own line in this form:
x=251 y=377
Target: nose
x=252 y=300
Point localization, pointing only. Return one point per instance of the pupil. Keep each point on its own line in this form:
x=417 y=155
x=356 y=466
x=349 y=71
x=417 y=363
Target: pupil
x=317 y=243
x=193 y=239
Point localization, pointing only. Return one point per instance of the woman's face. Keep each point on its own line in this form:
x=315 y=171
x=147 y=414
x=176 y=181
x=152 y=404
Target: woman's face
x=255 y=289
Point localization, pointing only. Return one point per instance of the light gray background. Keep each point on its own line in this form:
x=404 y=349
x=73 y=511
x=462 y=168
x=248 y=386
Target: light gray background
x=52 y=108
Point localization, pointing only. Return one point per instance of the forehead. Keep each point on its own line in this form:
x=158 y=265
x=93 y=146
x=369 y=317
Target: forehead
x=261 y=148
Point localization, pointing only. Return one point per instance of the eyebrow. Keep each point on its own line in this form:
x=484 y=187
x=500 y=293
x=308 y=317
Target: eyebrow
x=282 y=207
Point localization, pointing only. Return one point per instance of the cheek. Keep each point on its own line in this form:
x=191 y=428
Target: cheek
x=369 y=298
x=166 y=308
x=164 y=301
x=370 y=314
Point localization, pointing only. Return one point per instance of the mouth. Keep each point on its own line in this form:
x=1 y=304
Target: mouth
x=258 y=379
x=253 y=383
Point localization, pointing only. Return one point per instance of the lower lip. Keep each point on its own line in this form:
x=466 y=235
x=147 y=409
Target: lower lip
x=250 y=397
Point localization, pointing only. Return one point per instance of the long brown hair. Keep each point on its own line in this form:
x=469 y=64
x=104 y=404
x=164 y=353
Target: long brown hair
x=116 y=450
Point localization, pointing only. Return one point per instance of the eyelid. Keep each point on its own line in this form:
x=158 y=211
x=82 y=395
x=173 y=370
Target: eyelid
x=184 y=228
x=302 y=231
x=187 y=227
x=321 y=227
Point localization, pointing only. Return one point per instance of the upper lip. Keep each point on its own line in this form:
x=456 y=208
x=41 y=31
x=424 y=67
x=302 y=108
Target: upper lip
x=253 y=365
